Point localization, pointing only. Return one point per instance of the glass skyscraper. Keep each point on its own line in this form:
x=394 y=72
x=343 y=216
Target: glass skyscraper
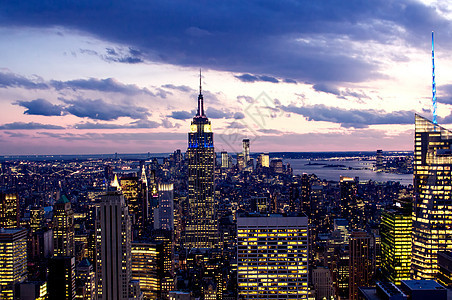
x=202 y=225
x=432 y=208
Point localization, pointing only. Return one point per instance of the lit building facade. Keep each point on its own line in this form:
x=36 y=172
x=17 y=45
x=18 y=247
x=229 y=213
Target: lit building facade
x=113 y=245
x=396 y=244
x=87 y=278
x=201 y=229
x=13 y=260
x=224 y=160
x=272 y=257
x=135 y=191
x=264 y=160
x=360 y=262
x=63 y=228
x=348 y=197
x=146 y=268
x=164 y=213
x=9 y=210
x=432 y=207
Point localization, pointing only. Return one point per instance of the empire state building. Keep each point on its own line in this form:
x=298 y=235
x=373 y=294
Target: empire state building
x=201 y=229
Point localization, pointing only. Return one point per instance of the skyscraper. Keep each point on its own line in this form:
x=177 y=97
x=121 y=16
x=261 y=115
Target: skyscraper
x=379 y=161
x=224 y=160
x=246 y=151
x=86 y=279
x=135 y=192
x=348 y=199
x=202 y=225
x=113 y=244
x=13 y=260
x=61 y=279
x=147 y=268
x=272 y=257
x=396 y=244
x=9 y=210
x=164 y=213
x=432 y=208
x=63 y=228
x=360 y=263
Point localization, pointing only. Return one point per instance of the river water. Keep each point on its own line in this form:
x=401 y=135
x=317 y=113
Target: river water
x=362 y=169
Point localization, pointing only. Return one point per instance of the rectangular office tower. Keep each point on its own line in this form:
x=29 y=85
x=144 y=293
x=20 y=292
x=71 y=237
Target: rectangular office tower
x=13 y=260
x=432 y=208
x=272 y=256
x=396 y=244
x=9 y=210
x=113 y=245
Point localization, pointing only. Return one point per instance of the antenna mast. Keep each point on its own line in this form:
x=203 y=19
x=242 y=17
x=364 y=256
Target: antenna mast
x=433 y=82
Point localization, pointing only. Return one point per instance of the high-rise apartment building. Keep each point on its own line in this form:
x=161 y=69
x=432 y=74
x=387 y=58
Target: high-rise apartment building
x=396 y=244
x=432 y=208
x=9 y=210
x=272 y=256
x=164 y=213
x=113 y=244
x=63 y=228
x=13 y=260
x=360 y=262
x=201 y=229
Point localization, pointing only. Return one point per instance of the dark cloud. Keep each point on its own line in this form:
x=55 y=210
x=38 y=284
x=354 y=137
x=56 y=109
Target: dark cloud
x=287 y=80
x=239 y=115
x=322 y=87
x=129 y=56
x=14 y=80
x=255 y=78
x=41 y=107
x=98 y=109
x=28 y=126
x=181 y=115
x=357 y=118
x=444 y=94
x=102 y=85
x=341 y=94
x=308 y=41
x=223 y=114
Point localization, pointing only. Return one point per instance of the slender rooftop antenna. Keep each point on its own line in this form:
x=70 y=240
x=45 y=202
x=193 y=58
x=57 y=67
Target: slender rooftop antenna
x=433 y=82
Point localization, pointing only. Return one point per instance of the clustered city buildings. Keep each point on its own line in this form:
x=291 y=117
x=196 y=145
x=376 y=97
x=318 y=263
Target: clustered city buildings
x=196 y=227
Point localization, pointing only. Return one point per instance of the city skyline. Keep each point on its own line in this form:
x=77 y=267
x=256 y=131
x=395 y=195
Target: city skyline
x=103 y=78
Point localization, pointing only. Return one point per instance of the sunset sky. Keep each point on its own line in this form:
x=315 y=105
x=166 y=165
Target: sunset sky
x=95 y=76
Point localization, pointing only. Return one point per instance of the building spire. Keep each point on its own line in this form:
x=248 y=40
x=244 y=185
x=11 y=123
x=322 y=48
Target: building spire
x=433 y=82
x=200 y=98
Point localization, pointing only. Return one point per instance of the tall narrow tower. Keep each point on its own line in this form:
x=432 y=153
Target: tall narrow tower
x=201 y=229
x=63 y=228
x=113 y=245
